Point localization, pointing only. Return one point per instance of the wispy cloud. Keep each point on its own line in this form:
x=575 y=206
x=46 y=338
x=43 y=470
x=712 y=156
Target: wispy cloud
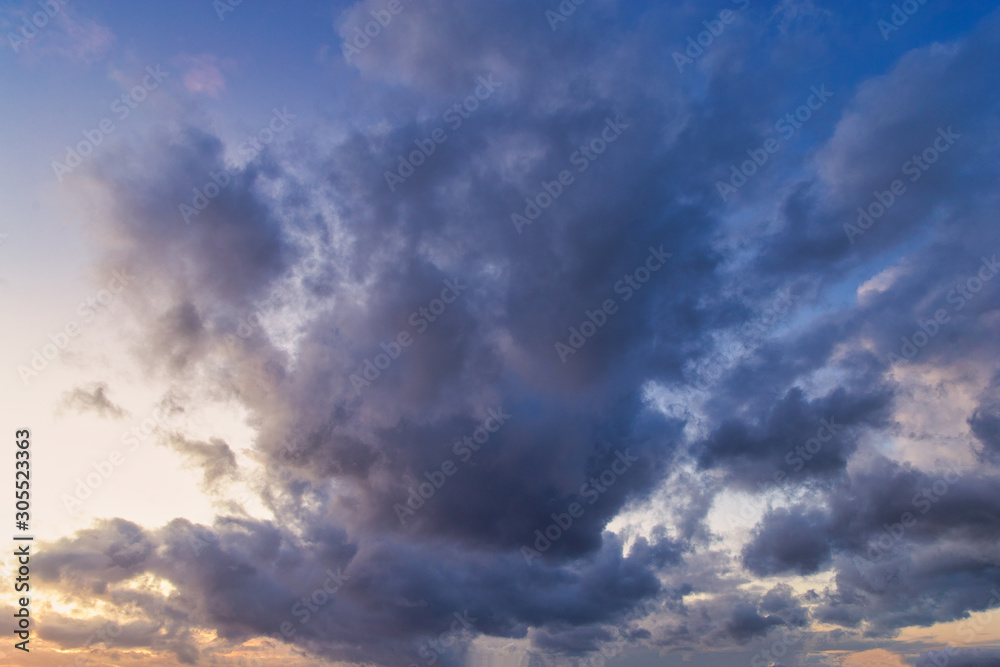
x=203 y=73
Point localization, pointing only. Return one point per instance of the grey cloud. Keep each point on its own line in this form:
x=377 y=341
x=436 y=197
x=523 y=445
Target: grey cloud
x=215 y=457
x=93 y=398
x=959 y=657
x=985 y=421
x=788 y=541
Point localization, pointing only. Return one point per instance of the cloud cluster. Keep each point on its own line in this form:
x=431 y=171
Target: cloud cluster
x=342 y=263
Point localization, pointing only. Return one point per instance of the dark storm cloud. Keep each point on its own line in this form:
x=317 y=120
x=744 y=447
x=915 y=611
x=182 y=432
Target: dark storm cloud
x=352 y=263
x=946 y=549
x=745 y=623
x=959 y=657
x=245 y=578
x=211 y=270
x=985 y=421
x=788 y=541
x=756 y=451
x=781 y=600
x=730 y=619
x=488 y=350
x=883 y=534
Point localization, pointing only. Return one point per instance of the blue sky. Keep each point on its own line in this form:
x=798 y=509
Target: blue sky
x=377 y=330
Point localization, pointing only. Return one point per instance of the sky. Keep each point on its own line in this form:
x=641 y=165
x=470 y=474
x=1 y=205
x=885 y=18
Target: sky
x=582 y=333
